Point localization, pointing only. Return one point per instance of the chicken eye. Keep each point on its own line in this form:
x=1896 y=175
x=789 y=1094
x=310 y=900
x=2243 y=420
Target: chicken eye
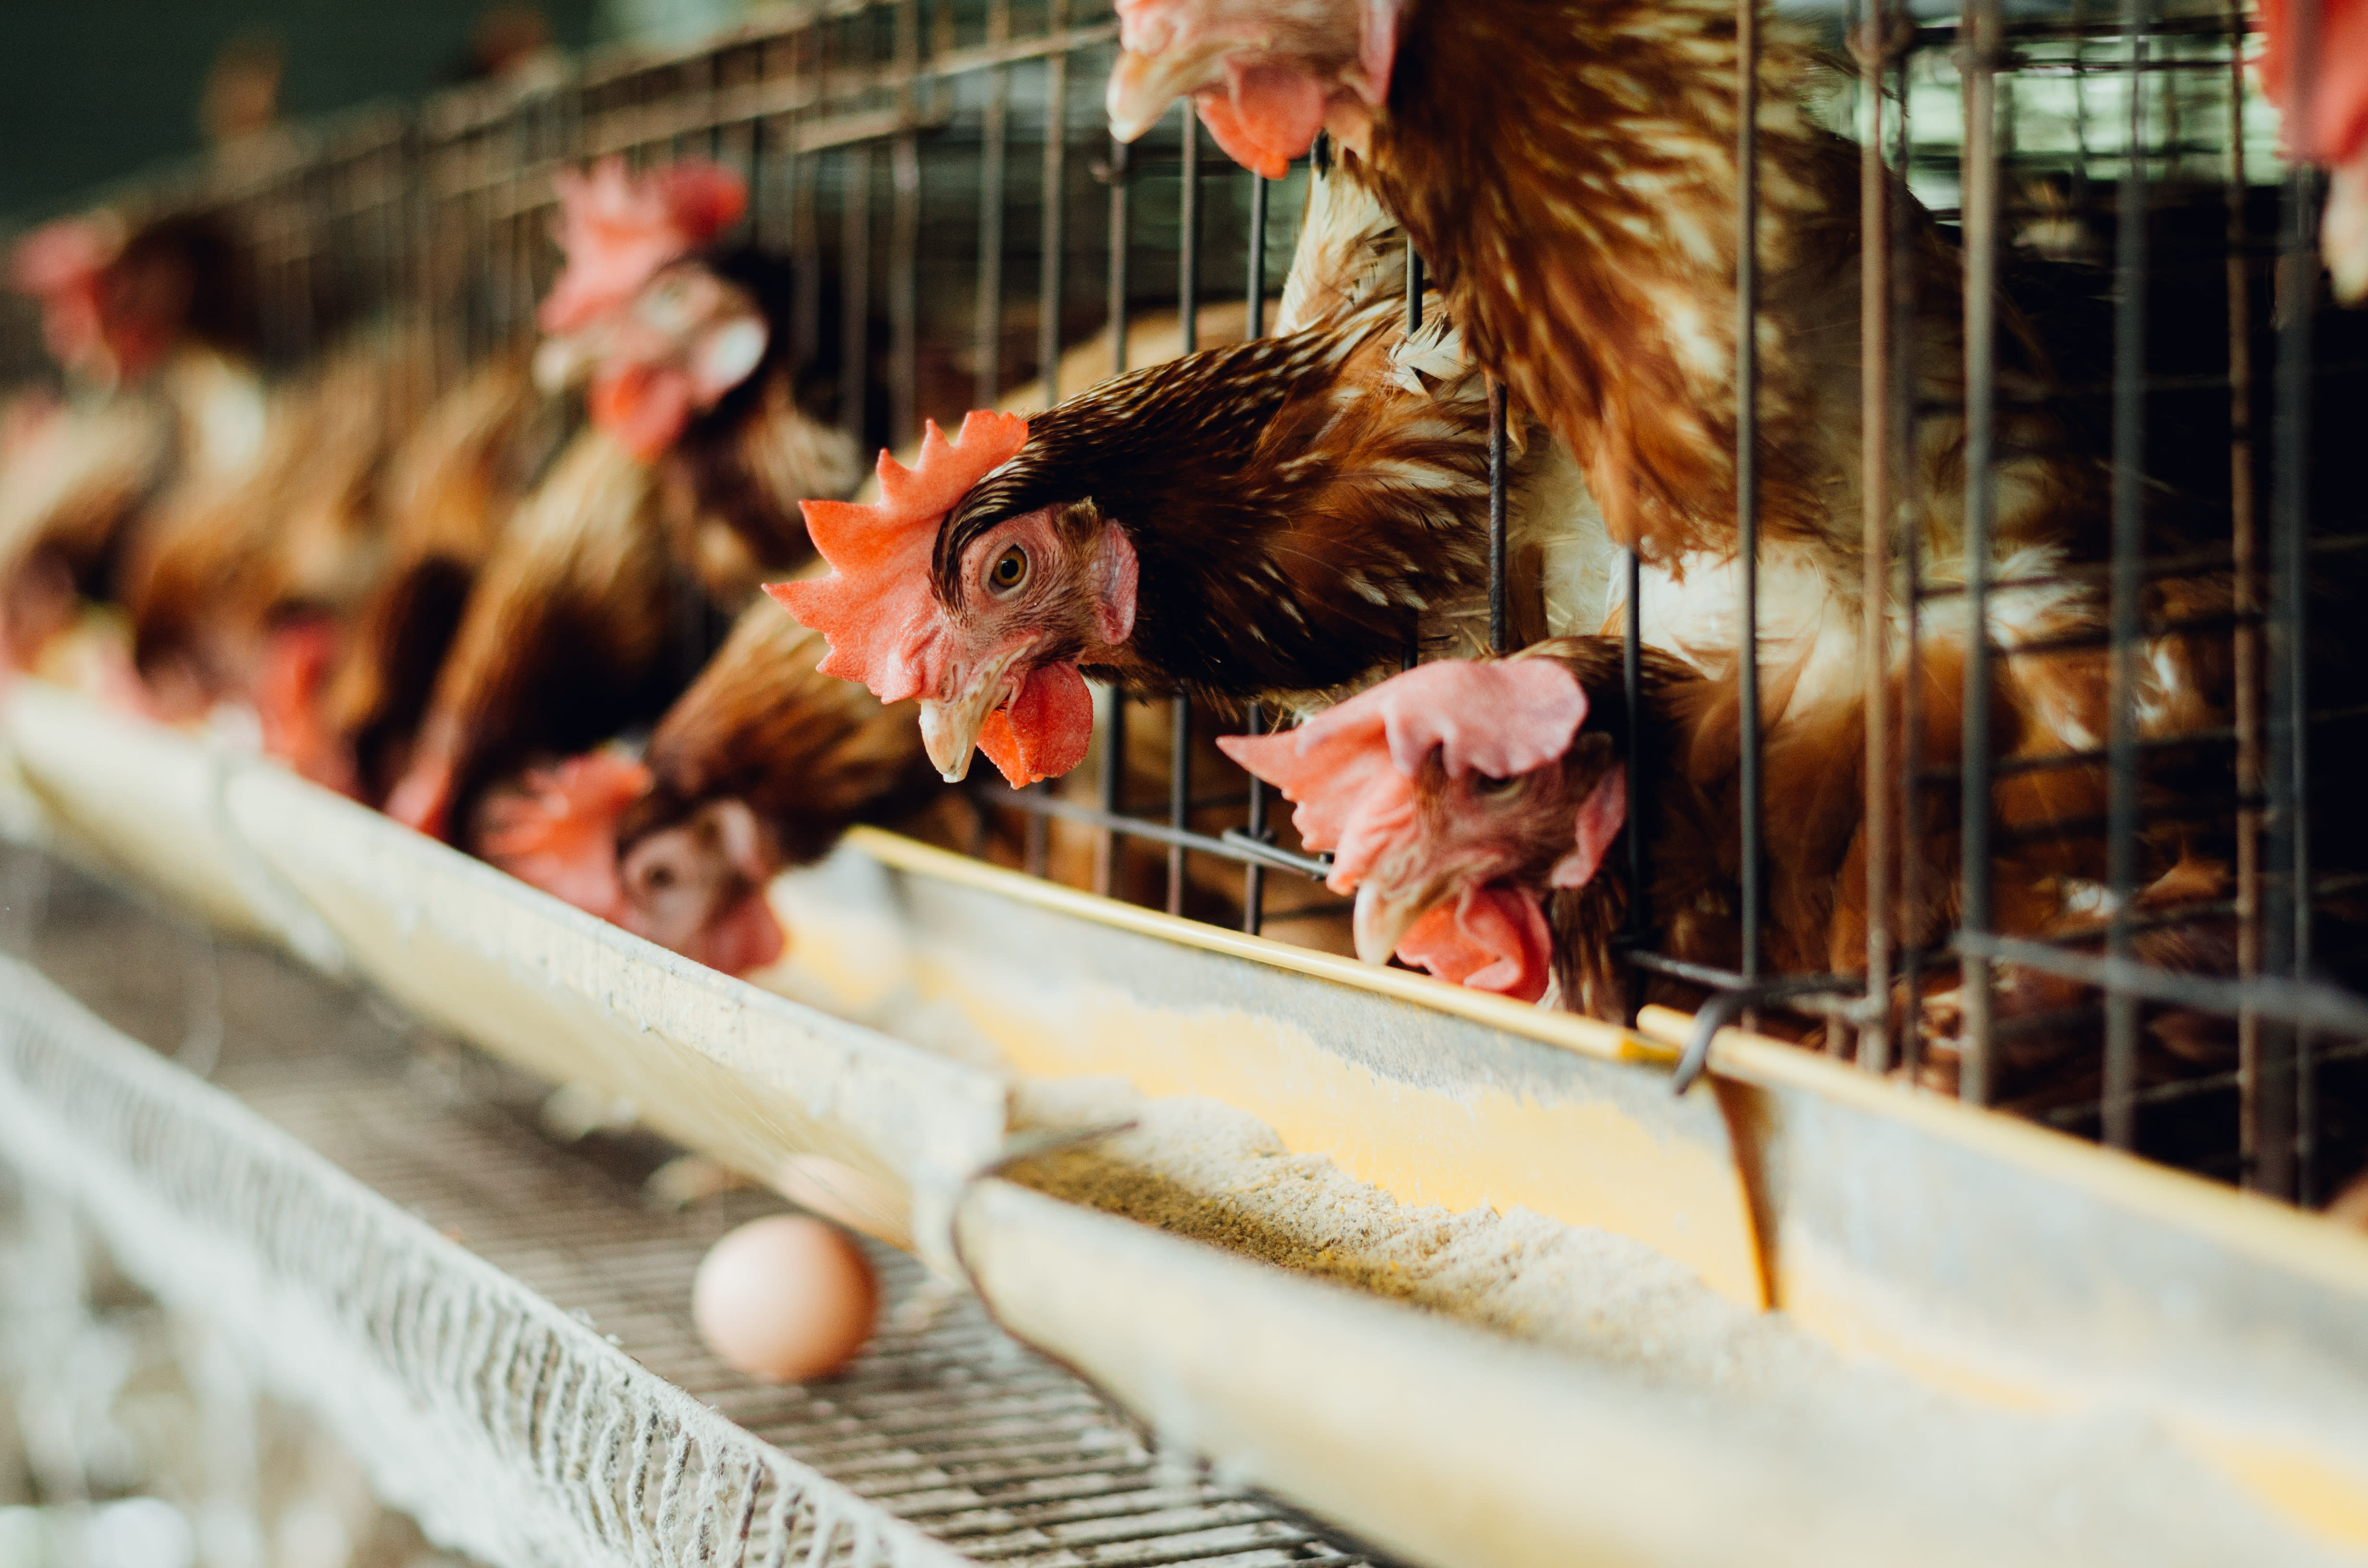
x=667 y=306
x=1010 y=573
x=1486 y=786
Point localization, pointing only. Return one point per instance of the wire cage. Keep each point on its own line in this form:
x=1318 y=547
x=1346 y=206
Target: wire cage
x=960 y=225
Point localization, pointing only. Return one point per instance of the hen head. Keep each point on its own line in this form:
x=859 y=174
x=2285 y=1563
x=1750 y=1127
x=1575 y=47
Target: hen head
x=1265 y=76
x=1453 y=797
x=695 y=887
x=986 y=625
x=661 y=335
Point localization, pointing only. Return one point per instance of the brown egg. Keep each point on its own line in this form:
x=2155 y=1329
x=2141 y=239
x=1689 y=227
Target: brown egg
x=785 y=1298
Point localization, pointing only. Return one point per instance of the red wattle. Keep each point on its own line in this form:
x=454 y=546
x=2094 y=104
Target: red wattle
x=644 y=408
x=1263 y=146
x=743 y=938
x=1045 y=728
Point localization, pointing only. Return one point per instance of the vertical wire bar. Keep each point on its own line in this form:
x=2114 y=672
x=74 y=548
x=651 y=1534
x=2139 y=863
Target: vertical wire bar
x=855 y=291
x=434 y=220
x=1498 y=635
x=1188 y=228
x=765 y=141
x=1050 y=281
x=994 y=141
x=1639 y=926
x=1109 y=846
x=1874 y=352
x=1254 y=266
x=2120 y=1109
x=2243 y=549
x=904 y=239
x=801 y=200
x=2286 y=1150
x=1413 y=655
x=1905 y=299
x=1188 y=310
x=1121 y=243
x=1747 y=455
x=1179 y=797
x=1254 y=875
x=1974 y=1077
x=2080 y=105
x=1254 y=325
x=905 y=291
x=1050 y=285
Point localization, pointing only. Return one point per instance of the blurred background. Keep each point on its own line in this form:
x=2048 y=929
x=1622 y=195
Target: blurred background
x=97 y=89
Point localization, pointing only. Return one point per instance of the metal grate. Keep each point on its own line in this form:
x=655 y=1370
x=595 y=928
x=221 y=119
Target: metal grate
x=944 y=1420
x=940 y=172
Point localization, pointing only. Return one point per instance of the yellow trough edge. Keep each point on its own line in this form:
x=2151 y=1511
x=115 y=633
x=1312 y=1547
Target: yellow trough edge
x=1589 y=1036
x=1585 y=1163
x=2270 y=1231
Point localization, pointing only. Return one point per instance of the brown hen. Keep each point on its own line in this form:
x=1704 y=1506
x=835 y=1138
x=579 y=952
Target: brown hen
x=165 y=410
x=1584 y=221
x=1273 y=520
x=605 y=596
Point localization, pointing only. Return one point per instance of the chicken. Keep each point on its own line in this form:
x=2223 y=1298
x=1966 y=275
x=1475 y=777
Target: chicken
x=758 y=766
x=1472 y=809
x=239 y=593
x=570 y=635
x=686 y=348
x=451 y=491
x=149 y=329
x=2333 y=82
x=1587 y=240
x=1611 y=316
x=1273 y=520
x=656 y=525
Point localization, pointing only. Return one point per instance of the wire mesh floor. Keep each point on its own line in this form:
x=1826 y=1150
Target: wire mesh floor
x=944 y=1420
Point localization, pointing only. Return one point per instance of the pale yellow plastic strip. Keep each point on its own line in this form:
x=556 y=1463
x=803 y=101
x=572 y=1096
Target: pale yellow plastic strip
x=1589 y=1036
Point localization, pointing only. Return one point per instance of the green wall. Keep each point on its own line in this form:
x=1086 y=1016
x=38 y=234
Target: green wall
x=93 y=89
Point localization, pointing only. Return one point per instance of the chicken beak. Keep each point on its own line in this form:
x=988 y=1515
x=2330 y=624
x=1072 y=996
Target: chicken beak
x=950 y=729
x=561 y=363
x=1142 y=85
x=1384 y=915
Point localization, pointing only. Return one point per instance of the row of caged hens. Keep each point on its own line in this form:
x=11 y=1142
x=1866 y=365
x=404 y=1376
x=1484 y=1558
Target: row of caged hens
x=451 y=606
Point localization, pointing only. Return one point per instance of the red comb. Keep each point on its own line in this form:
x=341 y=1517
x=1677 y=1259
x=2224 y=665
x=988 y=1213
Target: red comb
x=559 y=833
x=618 y=228
x=1350 y=768
x=63 y=264
x=874 y=607
x=1349 y=799
x=2338 y=88
x=63 y=253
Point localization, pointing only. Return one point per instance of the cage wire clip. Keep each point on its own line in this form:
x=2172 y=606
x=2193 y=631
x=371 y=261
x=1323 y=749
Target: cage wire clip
x=1729 y=1003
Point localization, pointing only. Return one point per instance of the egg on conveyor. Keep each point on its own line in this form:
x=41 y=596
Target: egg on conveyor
x=785 y=1298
